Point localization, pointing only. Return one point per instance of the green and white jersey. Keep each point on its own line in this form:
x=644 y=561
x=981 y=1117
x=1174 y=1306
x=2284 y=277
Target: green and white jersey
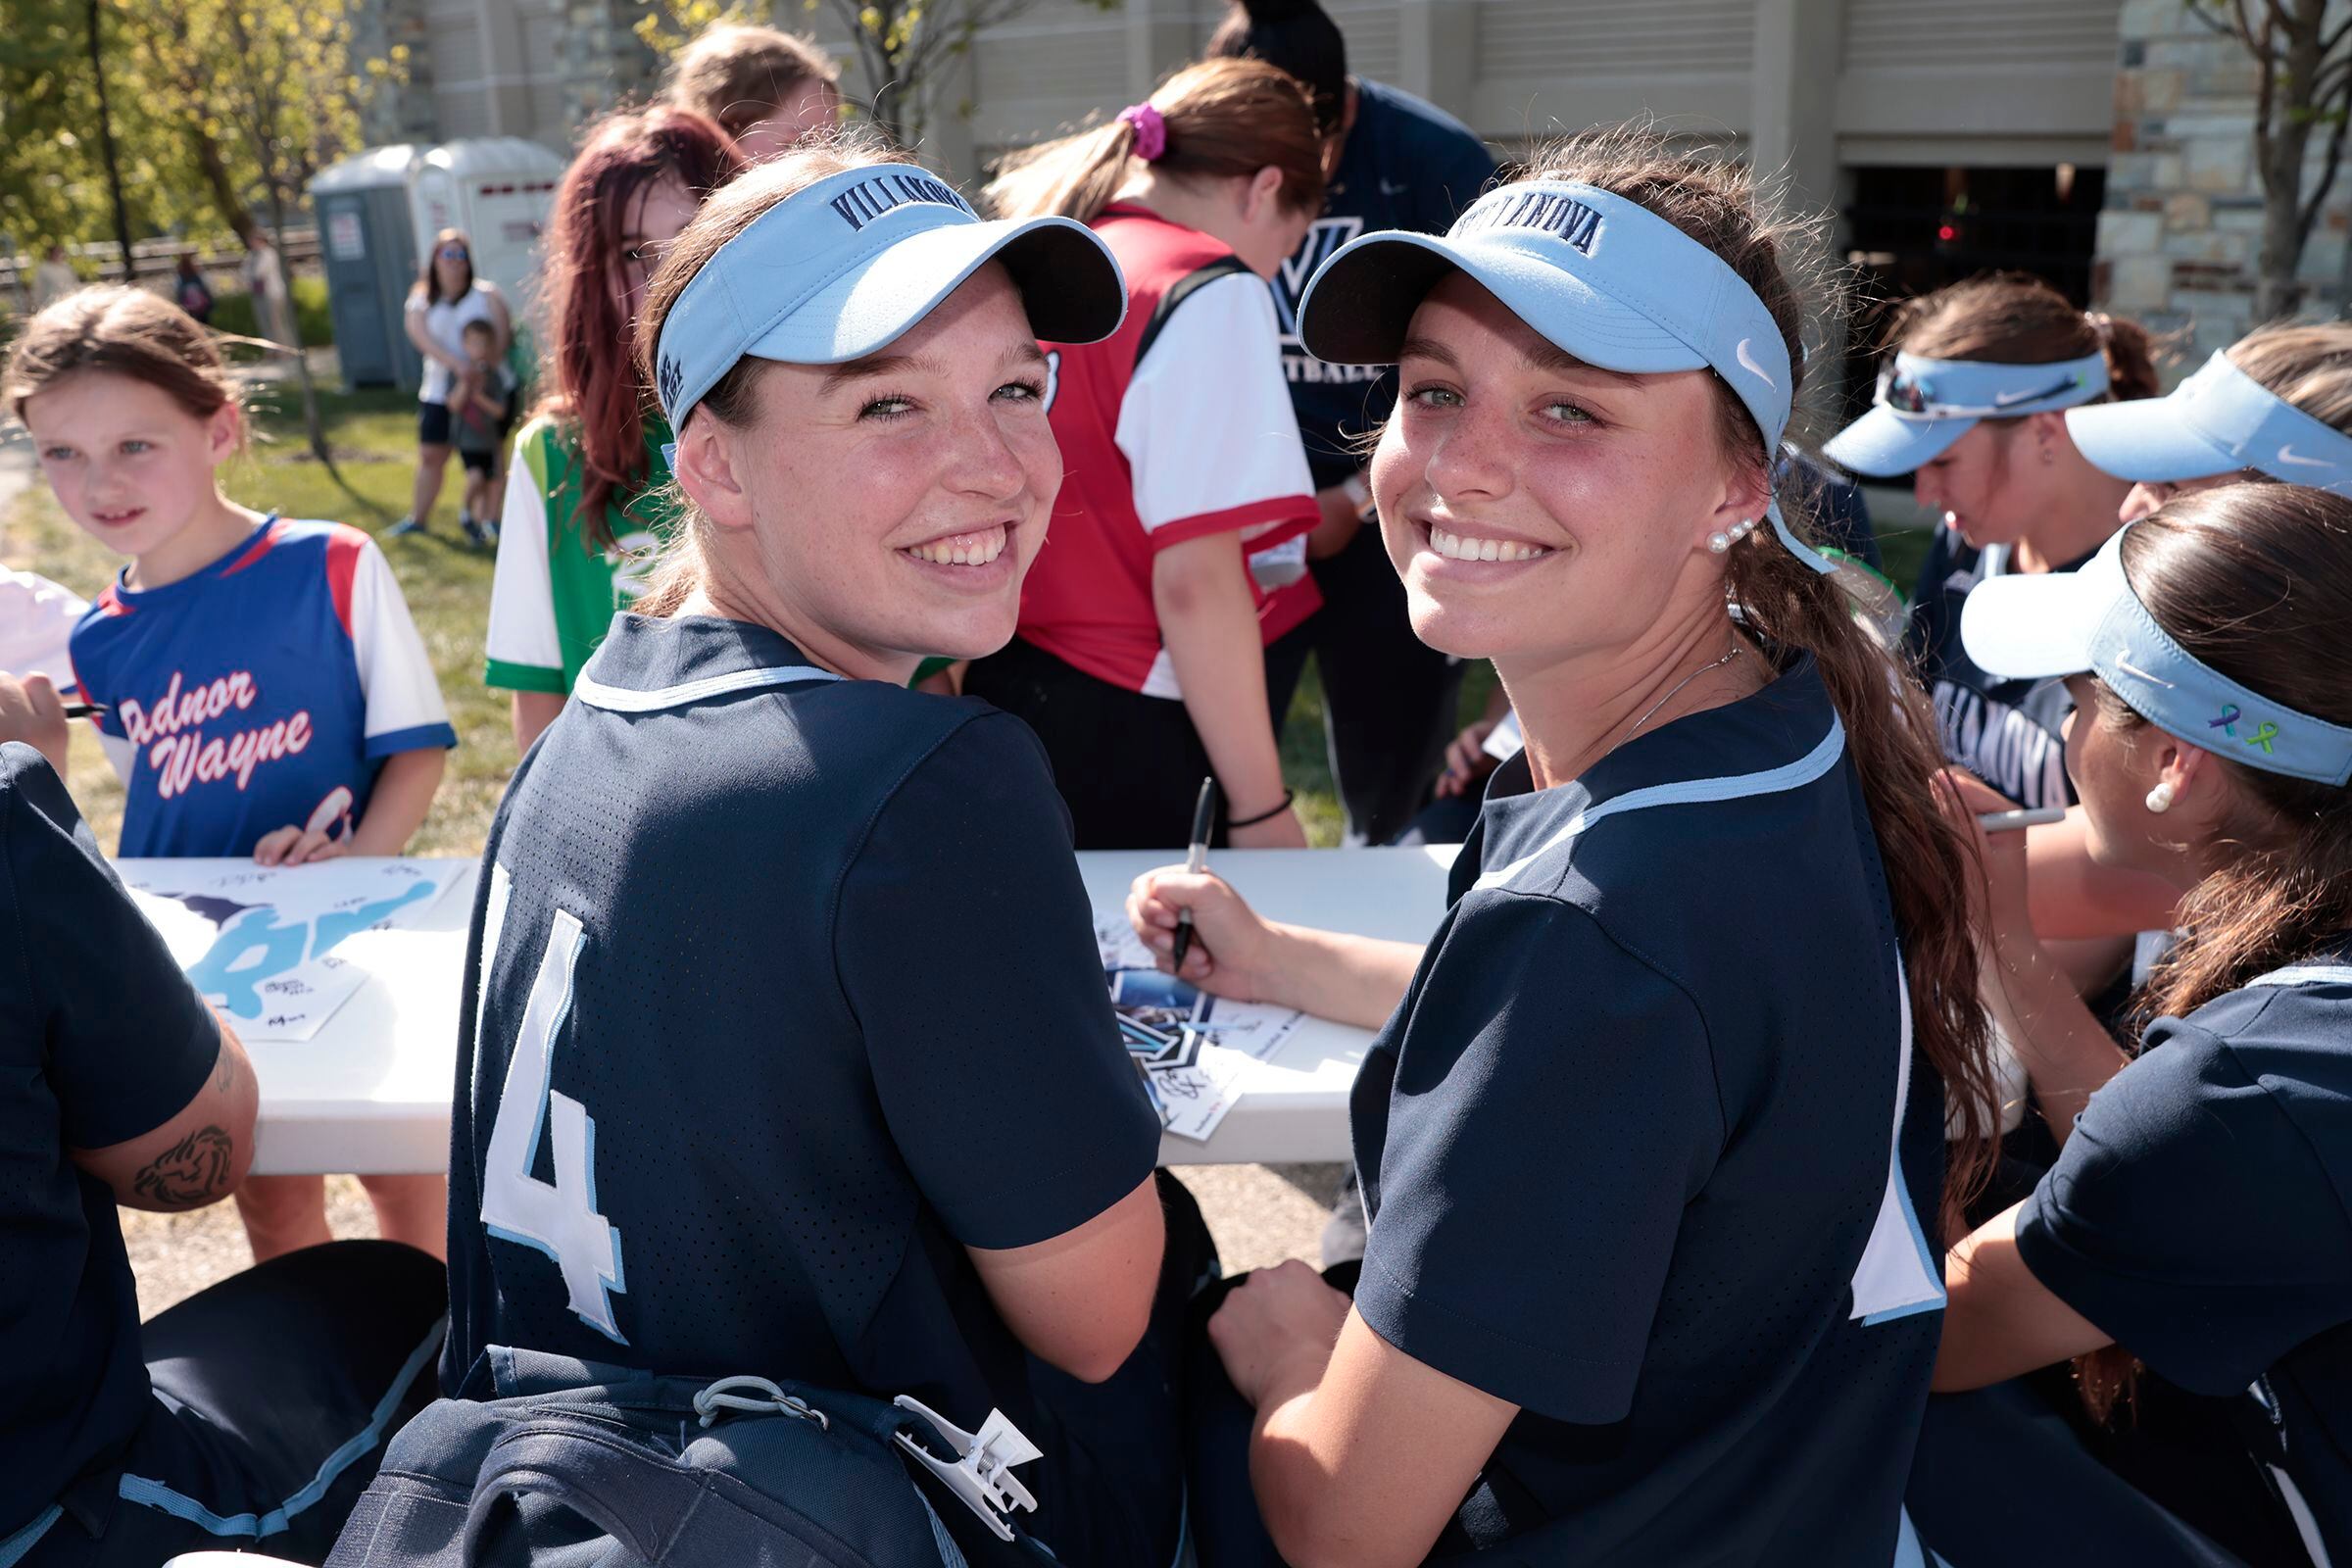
x=552 y=596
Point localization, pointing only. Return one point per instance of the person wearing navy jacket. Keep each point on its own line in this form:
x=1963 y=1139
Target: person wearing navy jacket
x=1395 y=163
x=2194 y=1225
x=1652 y=1167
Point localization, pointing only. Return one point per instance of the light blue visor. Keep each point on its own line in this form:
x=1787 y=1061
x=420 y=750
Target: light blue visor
x=2218 y=421
x=2035 y=626
x=1924 y=406
x=1596 y=275
x=843 y=267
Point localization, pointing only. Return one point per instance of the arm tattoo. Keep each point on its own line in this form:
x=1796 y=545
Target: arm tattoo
x=194 y=1170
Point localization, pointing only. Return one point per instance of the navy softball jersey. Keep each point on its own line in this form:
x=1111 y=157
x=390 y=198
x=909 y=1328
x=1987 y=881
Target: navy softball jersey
x=783 y=992
x=2199 y=1216
x=2009 y=733
x=1406 y=165
x=1647 y=1152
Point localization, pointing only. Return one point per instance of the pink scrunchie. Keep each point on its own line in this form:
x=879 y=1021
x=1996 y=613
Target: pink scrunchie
x=1151 y=131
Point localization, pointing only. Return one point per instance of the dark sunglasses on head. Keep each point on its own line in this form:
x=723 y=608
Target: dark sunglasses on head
x=1909 y=393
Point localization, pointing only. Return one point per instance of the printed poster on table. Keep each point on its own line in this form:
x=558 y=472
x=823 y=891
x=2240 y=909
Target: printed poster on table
x=260 y=941
x=1190 y=1048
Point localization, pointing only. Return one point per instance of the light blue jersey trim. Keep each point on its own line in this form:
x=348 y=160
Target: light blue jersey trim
x=2306 y=974
x=1686 y=791
x=623 y=700
x=17 y=1544
x=155 y=1495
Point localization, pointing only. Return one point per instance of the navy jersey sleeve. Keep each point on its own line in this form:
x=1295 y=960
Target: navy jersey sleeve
x=1553 y=1109
x=2190 y=1218
x=128 y=1042
x=966 y=948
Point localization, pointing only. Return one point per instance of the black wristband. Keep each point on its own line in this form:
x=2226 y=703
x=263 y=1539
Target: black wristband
x=1263 y=817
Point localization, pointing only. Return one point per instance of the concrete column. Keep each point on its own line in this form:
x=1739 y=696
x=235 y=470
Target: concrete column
x=1436 y=51
x=948 y=145
x=1793 y=115
x=1159 y=39
x=401 y=109
x=507 y=97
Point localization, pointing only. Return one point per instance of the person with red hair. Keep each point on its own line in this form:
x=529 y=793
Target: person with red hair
x=583 y=512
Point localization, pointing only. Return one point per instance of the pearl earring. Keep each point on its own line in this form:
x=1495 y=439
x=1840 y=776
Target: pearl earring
x=1719 y=542
x=1743 y=528
x=2160 y=799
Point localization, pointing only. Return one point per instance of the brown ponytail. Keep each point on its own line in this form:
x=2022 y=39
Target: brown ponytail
x=1225 y=119
x=2017 y=318
x=1891 y=732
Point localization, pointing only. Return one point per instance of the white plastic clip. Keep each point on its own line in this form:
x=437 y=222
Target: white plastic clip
x=981 y=1476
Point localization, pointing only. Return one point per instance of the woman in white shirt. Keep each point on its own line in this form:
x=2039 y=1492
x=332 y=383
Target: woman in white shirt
x=447 y=296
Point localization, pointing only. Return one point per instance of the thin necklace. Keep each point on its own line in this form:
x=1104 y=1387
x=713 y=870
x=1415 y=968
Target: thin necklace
x=1677 y=686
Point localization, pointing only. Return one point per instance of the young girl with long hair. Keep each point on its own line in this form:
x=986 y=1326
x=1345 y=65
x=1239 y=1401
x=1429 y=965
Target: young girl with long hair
x=583 y=516
x=1145 y=620
x=2197 y=1217
x=265 y=672
x=446 y=298
x=1651 y=1165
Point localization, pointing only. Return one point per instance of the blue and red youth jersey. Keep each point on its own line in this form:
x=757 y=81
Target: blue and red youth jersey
x=262 y=691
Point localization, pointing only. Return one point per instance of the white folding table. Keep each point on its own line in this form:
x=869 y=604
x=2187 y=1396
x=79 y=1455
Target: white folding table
x=370 y=1092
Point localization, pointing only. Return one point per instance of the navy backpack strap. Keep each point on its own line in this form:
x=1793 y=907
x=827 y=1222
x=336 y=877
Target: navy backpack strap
x=632 y=1496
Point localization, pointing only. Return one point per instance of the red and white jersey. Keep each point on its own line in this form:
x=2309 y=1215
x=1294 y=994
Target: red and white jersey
x=1178 y=426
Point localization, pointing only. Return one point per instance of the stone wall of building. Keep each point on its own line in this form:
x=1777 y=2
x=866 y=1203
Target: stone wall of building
x=401 y=109
x=605 y=62
x=2181 y=234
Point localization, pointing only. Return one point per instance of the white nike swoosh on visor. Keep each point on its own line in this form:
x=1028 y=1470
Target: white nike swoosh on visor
x=2002 y=400
x=2287 y=454
x=1747 y=362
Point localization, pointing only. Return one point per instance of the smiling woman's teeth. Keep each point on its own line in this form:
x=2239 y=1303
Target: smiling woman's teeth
x=962 y=550
x=1453 y=547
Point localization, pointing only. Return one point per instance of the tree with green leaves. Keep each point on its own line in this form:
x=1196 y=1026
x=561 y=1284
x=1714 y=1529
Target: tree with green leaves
x=903 y=47
x=2303 y=90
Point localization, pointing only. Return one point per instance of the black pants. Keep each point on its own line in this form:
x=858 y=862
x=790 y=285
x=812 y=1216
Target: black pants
x=1128 y=766
x=1388 y=697
x=275 y=1391
x=1218 y=1422
x=1117 y=1445
x=2004 y=1478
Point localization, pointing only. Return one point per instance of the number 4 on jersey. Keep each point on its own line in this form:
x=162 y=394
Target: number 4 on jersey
x=558 y=1219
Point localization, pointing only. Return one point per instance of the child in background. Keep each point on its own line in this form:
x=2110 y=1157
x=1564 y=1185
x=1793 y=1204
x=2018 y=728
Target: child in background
x=481 y=424
x=584 y=510
x=265 y=671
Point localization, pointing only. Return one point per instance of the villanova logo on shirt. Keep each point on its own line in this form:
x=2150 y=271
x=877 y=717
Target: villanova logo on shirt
x=1572 y=220
x=869 y=198
x=1323 y=239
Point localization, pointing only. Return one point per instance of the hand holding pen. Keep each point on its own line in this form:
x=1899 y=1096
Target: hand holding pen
x=1196 y=862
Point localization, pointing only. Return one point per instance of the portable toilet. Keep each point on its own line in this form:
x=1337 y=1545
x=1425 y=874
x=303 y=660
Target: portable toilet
x=498 y=189
x=368 y=247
